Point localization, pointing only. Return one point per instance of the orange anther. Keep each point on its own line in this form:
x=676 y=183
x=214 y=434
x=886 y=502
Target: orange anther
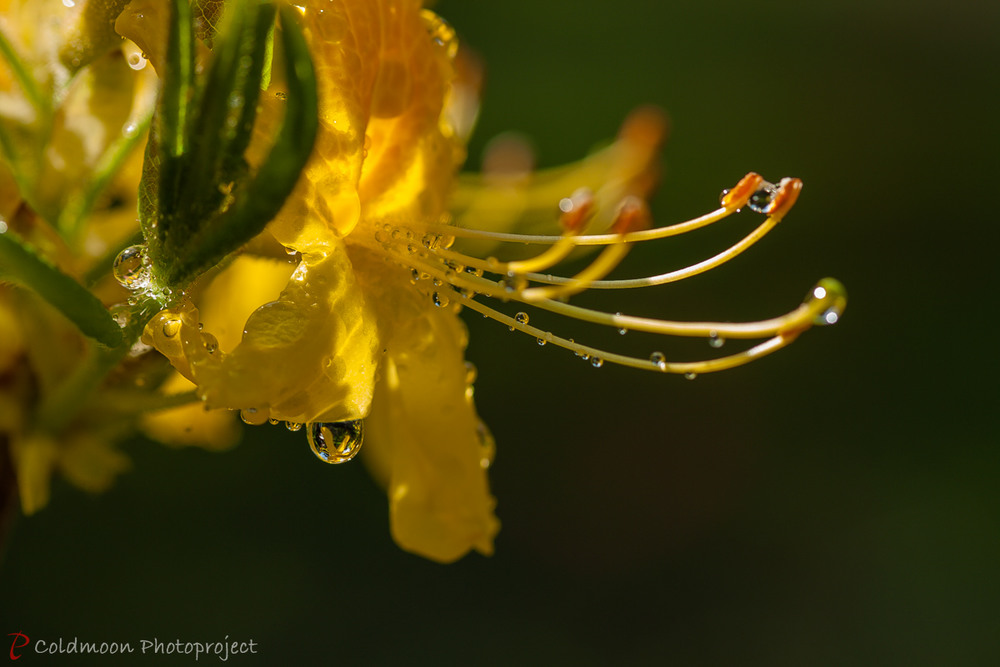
x=784 y=198
x=633 y=216
x=575 y=210
x=738 y=197
x=645 y=126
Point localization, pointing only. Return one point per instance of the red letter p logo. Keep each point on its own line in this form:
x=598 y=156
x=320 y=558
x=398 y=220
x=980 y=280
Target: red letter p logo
x=20 y=641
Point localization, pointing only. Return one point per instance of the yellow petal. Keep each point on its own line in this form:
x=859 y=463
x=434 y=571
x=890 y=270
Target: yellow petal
x=424 y=437
x=34 y=457
x=308 y=356
x=382 y=150
x=145 y=22
x=190 y=424
x=91 y=463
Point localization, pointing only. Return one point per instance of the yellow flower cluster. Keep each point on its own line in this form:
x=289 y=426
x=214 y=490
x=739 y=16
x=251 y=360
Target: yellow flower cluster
x=341 y=316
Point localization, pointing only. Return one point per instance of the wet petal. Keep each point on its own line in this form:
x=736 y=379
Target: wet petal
x=424 y=438
x=308 y=356
x=190 y=424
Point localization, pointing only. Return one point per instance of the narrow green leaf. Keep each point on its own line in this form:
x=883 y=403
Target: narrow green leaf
x=23 y=265
x=172 y=114
x=261 y=199
x=265 y=77
x=178 y=79
x=224 y=122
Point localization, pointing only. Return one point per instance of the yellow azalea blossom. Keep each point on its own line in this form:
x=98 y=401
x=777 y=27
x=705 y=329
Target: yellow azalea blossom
x=341 y=317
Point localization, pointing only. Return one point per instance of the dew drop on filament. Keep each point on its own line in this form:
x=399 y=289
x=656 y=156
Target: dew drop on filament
x=760 y=200
x=336 y=442
x=659 y=359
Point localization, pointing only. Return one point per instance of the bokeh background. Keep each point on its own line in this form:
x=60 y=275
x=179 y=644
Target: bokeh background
x=834 y=504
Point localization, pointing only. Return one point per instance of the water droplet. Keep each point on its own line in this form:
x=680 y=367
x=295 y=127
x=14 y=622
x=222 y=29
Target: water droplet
x=414 y=276
x=722 y=196
x=210 y=343
x=273 y=422
x=121 y=314
x=3 y=226
x=254 y=416
x=131 y=268
x=336 y=442
x=690 y=376
x=136 y=61
x=68 y=3
x=430 y=241
x=622 y=331
x=474 y=271
x=760 y=200
x=171 y=328
x=521 y=318
x=440 y=300
x=129 y=130
x=281 y=95
x=714 y=340
x=596 y=362
x=834 y=294
x=659 y=359
x=471 y=372
x=541 y=341
x=293 y=426
x=487 y=444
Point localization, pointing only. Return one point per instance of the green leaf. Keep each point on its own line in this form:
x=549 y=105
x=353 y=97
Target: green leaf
x=23 y=265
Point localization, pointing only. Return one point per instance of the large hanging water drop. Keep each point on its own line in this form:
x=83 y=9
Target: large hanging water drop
x=336 y=442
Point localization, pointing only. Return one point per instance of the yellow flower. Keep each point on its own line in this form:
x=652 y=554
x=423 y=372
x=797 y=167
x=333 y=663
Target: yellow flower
x=365 y=325
x=342 y=315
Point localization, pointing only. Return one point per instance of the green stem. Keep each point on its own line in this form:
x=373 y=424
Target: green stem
x=59 y=408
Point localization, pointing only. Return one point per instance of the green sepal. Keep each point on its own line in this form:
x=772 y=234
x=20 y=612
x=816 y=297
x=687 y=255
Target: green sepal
x=202 y=203
x=21 y=264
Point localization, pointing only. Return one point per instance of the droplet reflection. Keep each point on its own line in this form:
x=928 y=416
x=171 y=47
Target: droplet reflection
x=336 y=442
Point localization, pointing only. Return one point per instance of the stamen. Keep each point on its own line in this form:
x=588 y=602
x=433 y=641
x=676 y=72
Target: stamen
x=598 y=356
x=453 y=271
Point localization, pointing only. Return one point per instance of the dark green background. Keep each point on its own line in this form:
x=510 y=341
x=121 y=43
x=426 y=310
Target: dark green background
x=836 y=504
